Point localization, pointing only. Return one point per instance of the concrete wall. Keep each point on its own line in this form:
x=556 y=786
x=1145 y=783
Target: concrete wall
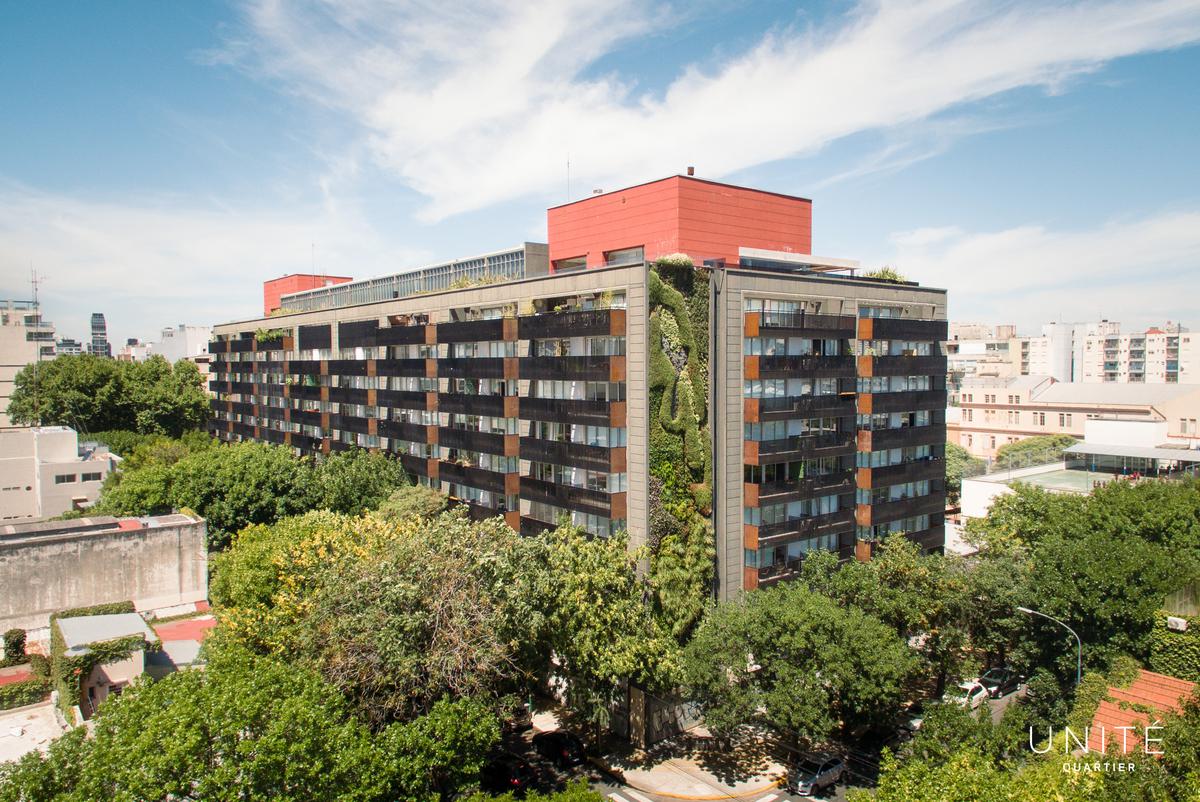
x=44 y=569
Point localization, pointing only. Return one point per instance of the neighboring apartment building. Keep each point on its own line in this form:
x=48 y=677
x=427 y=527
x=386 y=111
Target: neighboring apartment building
x=134 y=350
x=294 y=282
x=530 y=397
x=99 y=345
x=995 y=412
x=24 y=339
x=1168 y=355
x=69 y=347
x=43 y=472
x=979 y=350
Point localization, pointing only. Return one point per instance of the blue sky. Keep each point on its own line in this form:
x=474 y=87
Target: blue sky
x=159 y=160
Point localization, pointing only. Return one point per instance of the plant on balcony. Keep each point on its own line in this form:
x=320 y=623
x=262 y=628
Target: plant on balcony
x=674 y=260
x=887 y=273
x=270 y=335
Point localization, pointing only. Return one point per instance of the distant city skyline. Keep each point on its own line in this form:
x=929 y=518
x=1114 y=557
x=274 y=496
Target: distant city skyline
x=1038 y=162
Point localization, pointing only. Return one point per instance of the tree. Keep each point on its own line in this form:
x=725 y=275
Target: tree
x=413 y=500
x=681 y=574
x=355 y=481
x=796 y=661
x=91 y=394
x=1037 y=450
x=960 y=465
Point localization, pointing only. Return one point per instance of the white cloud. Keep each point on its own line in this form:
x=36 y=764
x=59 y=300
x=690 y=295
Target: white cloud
x=477 y=102
x=1138 y=272
x=166 y=262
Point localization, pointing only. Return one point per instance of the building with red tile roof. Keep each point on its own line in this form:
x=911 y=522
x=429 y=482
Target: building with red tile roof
x=1145 y=702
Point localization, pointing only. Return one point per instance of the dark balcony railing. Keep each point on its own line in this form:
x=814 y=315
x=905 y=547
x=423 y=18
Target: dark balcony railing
x=581 y=499
x=566 y=410
x=349 y=423
x=403 y=399
x=305 y=392
x=808 y=487
x=244 y=429
x=240 y=346
x=806 y=406
x=274 y=436
x=414 y=464
x=579 y=368
x=808 y=445
x=576 y=455
x=908 y=472
x=304 y=367
x=815 y=366
x=469 y=440
x=348 y=395
x=471 y=368
x=814 y=526
x=463 y=403
x=403 y=430
x=802 y=323
x=218 y=346
x=357 y=333
x=246 y=388
x=306 y=443
x=348 y=367
x=306 y=418
x=469 y=475
x=400 y=367
x=886 y=511
x=217 y=386
x=462 y=331
x=532 y=527
x=908 y=401
x=400 y=335
x=890 y=328
x=908 y=436
x=909 y=366
x=593 y=322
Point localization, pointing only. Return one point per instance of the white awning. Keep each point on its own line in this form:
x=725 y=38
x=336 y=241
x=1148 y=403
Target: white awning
x=1145 y=452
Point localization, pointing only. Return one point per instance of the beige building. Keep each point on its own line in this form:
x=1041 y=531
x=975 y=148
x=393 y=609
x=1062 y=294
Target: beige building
x=1167 y=355
x=24 y=337
x=106 y=679
x=980 y=350
x=994 y=412
x=44 y=473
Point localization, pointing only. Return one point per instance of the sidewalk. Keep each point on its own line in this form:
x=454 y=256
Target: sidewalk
x=695 y=767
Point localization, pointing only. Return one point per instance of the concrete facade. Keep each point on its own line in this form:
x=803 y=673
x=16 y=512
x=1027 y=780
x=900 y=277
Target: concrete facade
x=44 y=568
x=43 y=472
x=24 y=337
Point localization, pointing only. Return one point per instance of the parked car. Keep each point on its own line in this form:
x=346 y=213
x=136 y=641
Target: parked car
x=904 y=732
x=506 y=772
x=563 y=747
x=970 y=695
x=815 y=774
x=518 y=718
x=1000 y=681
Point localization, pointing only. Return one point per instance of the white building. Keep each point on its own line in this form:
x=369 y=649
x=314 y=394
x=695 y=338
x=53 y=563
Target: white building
x=24 y=336
x=1058 y=352
x=184 y=342
x=979 y=350
x=1168 y=355
x=44 y=473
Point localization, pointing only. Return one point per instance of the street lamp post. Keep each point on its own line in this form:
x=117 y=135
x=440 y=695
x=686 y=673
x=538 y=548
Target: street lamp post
x=1078 y=642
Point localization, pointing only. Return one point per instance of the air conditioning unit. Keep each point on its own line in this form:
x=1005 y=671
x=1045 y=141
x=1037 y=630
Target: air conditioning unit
x=1176 y=624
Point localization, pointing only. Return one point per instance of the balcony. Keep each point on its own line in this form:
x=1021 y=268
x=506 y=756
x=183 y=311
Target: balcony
x=905 y=366
x=892 y=328
x=471 y=440
x=471 y=476
x=403 y=430
x=218 y=386
x=304 y=367
x=802 y=324
x=567 y=410
x=218 y=346
x=575 y=455
x=348 y=395
x=580 y=499
x=569 y=368
x=778 y=367
x=347 y=367
x=463 y=403
x=400 y=335
x=471 y=367
x=305 y=443
x=306 y=418
x=806 y=406
x=906 y=436
x=465 y=331
x=400 y=367
x=914 y=471
x=305 y=392
x=887 y=511
x=349 y=423
x=797 y=528
x=415 y=465
x=532 y=527
x=357 y=333
x=904 y=401
x=799 y=489
x=404 y=399
x=587 y=323
x=786 y=449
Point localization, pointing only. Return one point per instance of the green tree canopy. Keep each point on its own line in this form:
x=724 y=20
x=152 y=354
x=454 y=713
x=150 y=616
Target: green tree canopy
x=960 y=465
x=91 y=394
x=796 y=661
x=1037 y=450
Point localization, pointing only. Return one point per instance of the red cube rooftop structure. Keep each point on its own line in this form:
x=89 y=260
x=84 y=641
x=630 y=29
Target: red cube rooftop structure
x=295 y=282
x=679 y=214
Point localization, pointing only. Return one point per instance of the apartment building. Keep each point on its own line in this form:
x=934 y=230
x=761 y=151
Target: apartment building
x=981 y=350
x=551 y=380
x=24 y=338
x=44 y=472
x=994 y=412
x=1167 y=355
x=99 y=345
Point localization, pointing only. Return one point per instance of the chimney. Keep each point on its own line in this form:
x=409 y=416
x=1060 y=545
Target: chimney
x=691 y=170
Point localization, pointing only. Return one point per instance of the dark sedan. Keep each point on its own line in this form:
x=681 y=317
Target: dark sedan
x=562 y=747
x=506 y=772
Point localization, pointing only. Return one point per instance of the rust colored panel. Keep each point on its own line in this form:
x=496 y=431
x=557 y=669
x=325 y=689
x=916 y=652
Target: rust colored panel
x=864 y=441
x=616 y=321
x=431 y=435
x=750 y=324
x=324 y=367
x=866 y=366
x=511 y=367
x=619 y=460
x=513 y=519
x=862 y=551
x=750 y=410
x=512 y=484
x=866 y=328
x=288 y=343
x=287 y=388
x=750 y=536
x=431 y=469
x=287 y=438
x=372 y=397
x=431 y=334
x=325 y=446
x=372 y=367
x=750 y=452
x=511 y=406
x=510 y=329
x=618 y=414
x=862 y=514
x=431 y=368
x=749 y=578
x=863 y=477
x=372 y=426
x=750 y=367
x=616 y=369
x=287 y=414
x=324 y=420
x=229 y=427
x=864 y=402
x=324 y=393
x=512 y=445
x=750 y=494
x=431 y=402
x=620 y=506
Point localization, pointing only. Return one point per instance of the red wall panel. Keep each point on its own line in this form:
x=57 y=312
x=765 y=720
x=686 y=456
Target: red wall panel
x=297 y=282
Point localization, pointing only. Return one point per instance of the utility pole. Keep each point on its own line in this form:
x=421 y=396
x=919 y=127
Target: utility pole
x=34 y=281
